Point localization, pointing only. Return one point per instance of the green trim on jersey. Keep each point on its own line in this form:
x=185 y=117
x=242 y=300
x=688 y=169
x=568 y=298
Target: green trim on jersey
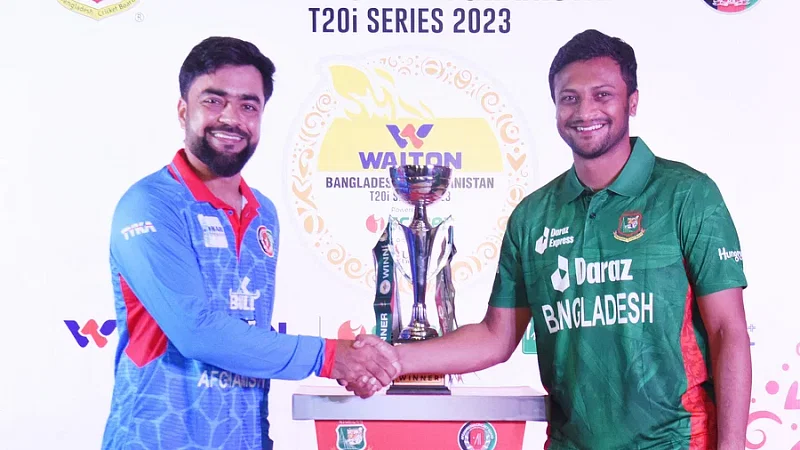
x=612 y=279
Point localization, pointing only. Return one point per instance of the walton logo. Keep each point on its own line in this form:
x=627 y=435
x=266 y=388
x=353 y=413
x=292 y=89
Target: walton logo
x=91 y=329
x=410 y=133
x=98 y=9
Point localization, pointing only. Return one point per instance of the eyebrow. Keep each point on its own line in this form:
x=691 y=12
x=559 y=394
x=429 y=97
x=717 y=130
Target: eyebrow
x=571 y=90
x=221 y=93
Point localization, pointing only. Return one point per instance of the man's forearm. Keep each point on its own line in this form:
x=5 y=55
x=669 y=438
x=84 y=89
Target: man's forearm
x=732 y=385
x=470 y=348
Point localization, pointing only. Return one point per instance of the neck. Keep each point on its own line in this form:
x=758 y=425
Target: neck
x=226 y=189
x=600 y=172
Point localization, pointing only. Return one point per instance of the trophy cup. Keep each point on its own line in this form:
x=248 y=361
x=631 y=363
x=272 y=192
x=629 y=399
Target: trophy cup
x=420 y=252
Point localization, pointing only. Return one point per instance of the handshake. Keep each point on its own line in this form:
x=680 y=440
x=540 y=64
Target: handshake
x=366 y=365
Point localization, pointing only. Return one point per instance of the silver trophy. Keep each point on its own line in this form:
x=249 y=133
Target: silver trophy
x=420 y=186
x=420 y=252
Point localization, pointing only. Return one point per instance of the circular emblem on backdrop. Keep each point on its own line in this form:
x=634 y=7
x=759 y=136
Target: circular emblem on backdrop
x=731 y=6
x=265 y=240
x=477 y=436
x=371 y=114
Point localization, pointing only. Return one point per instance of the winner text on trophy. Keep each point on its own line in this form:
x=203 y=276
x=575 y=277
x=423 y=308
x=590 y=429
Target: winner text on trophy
x=421 y=253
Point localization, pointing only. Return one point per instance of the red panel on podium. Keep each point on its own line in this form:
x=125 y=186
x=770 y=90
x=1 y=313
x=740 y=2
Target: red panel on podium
x=418 y=435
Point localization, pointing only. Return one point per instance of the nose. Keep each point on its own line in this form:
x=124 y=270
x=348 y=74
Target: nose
x=229 y=114
x=586 y=109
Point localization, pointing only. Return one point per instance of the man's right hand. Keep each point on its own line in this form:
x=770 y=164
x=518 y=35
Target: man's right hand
x=372 y=366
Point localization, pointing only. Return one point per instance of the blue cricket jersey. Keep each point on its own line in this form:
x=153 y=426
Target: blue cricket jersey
x=194 y=287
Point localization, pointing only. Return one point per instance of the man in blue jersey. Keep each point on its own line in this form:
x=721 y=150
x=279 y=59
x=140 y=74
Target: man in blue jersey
x=193 y=255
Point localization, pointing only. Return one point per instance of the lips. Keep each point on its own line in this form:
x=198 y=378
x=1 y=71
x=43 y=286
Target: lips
x=590 y=128
x=227 y=136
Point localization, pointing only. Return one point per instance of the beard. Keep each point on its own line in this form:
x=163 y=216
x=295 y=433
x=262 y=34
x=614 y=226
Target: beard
x=597 y=150
x=608 y=142
x=220 y=164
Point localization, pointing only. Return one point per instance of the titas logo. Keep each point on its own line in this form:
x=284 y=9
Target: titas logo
x=266 y=241
x=375 y=224
x=98 y=333
x=410 y=134
x=349 y=332
x=351 y=437
x=370 y=114
x=477 y=436
x=630 y=227
x=98 y=9
x=731 y=6
x=138 y=228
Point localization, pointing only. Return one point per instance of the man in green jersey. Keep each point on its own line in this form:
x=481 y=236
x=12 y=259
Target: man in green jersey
x=631 y=268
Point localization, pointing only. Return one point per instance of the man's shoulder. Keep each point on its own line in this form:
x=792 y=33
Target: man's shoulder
x=265 y=202
x=678 y=172
x=534 y=206
x=157 y=190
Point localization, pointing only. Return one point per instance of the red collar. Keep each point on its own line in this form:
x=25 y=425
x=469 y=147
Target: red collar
x=198 y=188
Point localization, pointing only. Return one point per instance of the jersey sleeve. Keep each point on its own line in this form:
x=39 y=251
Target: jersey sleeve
x=709 y=240
x=161 y=268
x=508 y=290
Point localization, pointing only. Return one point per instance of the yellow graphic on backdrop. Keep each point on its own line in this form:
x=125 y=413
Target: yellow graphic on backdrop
x=389 y=111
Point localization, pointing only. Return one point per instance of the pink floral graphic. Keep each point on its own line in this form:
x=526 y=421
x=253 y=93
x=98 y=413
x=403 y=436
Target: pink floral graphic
x=786 y=391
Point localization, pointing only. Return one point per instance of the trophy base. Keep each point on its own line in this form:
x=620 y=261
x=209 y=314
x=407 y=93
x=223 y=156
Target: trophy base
x=419 y=384
x=417 y=332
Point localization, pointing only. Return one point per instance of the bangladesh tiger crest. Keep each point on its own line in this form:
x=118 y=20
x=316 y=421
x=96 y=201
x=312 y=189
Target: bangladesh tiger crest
x=351 y=437
x=630 y=227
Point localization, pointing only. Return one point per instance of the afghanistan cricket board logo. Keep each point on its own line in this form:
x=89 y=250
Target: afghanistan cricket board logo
x=477 y=436
x=373 y=113
x=98 y=9
x=630 y=226
x=731 y=6
x=351 y=437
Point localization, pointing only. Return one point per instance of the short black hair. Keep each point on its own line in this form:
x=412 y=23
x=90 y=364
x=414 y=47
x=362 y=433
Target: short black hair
x=215 y=52
x=594 y=44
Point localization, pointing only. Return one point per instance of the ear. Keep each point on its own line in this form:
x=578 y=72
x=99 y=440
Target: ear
x=182 y=112
x=633 y=102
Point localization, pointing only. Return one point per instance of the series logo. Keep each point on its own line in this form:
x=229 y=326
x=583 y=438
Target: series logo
x=374 y=113
x=91 y=330
x=98 y=9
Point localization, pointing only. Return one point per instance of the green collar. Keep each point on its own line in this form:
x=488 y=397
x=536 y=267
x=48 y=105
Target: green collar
x=630 y=182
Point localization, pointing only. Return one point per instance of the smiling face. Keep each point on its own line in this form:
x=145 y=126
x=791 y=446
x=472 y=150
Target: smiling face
x=593 y=106
x=222 y=118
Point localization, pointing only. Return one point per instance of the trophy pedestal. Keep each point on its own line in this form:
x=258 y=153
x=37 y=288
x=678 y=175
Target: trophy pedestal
x=419 y=384
x=472 y=417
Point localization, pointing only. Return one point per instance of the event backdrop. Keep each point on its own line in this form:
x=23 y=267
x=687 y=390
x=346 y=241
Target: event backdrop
x=90 y=91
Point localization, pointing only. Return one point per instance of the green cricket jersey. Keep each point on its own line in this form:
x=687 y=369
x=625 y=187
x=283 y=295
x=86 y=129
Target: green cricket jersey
x=612 y=278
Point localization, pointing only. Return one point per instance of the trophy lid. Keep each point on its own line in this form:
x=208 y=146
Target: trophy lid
x=420 y=184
